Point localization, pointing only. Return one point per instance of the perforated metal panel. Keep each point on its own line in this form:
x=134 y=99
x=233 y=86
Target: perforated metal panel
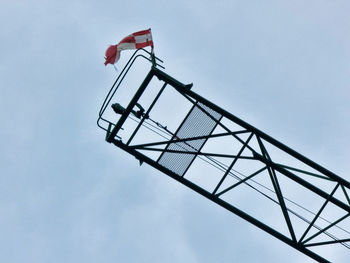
x=200 y=121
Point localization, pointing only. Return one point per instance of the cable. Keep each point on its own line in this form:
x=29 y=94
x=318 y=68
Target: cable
x=223 y=167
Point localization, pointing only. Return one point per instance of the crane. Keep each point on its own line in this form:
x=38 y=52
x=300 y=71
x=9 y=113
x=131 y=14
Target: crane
x=227 y=160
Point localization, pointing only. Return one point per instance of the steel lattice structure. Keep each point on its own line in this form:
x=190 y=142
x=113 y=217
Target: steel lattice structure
x=244 y=165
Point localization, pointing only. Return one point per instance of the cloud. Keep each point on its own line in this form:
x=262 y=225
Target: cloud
x=66 y=195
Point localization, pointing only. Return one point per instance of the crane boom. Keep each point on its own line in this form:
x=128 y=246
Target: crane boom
x=230 y=162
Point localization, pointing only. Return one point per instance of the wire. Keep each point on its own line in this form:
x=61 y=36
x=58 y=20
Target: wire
x=153 y=126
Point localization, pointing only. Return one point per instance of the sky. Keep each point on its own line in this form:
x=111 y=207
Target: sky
x=68 y=196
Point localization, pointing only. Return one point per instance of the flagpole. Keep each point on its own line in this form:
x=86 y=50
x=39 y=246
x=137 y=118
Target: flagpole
x=153 y=58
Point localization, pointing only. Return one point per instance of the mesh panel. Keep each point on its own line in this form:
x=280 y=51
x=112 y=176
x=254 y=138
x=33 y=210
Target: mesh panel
x=200 y=121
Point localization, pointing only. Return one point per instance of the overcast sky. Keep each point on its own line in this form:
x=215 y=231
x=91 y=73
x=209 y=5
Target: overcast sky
x=68 y=196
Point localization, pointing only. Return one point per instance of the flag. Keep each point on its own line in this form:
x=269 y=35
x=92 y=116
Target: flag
x=136 y=40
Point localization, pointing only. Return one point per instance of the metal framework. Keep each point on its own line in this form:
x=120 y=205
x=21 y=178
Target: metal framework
x=245 y=159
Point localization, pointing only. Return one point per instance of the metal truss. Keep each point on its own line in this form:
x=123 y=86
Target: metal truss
x=246 y=160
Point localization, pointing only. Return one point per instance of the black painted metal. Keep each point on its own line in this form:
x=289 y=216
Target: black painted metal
x=146 y=114
x=258 y=154
x=130 y=106
x=232 y=164
x=182 y=88
x=220 y=202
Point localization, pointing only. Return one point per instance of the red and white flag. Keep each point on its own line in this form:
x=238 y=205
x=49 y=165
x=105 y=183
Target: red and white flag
x=136 y=40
